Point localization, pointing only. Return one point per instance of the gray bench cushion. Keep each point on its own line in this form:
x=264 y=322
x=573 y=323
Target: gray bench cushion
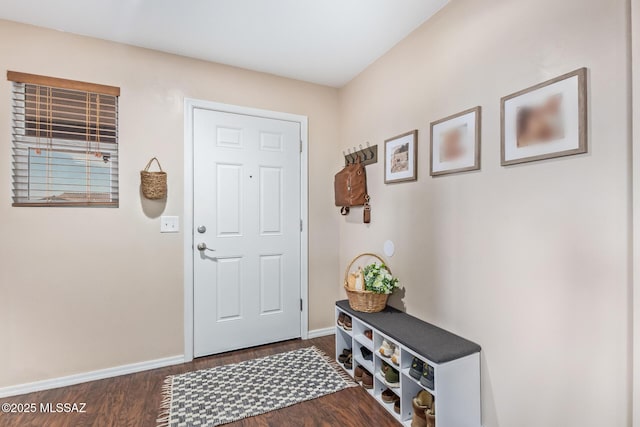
x=430 y=341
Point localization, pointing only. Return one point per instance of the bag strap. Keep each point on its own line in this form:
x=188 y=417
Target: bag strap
x=146 y=169
x=366 y=214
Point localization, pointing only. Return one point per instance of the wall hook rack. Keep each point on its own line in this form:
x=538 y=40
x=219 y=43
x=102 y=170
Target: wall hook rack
x=367 y=155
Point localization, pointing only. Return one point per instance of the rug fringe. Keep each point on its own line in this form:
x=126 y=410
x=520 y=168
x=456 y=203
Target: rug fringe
x=164 y=417
x=334 y=364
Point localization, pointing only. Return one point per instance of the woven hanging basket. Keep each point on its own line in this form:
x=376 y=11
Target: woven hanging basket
x=365 y=301
x=154 y=184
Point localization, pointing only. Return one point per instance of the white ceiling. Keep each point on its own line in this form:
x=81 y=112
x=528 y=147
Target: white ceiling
x=321 y=41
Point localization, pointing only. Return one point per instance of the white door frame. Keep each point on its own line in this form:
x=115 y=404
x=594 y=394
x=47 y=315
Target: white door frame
x=189 y=106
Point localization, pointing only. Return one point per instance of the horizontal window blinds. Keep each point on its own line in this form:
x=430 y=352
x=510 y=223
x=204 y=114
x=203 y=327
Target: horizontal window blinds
x=65 y=142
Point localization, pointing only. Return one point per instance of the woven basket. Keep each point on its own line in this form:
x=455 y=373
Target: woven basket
x=365 y=301
x=154 y=184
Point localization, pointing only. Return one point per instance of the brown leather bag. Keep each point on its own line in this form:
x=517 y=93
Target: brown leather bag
x=350 y=185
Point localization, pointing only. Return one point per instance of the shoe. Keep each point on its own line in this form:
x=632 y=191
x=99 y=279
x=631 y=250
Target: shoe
x=347 y=323
x=427 y=377
x=424 y=400
x=419 y=418
x=357 y=374
x=431 y=417
x=345 y=353
x=367 y=379
x=369 y=334
x=341 y=319
x=417 y=366
x=388 y=396
x=366 y=353
x=349 y=362
x=386 y=349
x=383 y=368
x=395 y=359
x=391 y=378
x=396 y=407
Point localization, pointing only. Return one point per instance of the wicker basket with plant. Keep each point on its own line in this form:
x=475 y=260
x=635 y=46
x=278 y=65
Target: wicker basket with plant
x=369 y=289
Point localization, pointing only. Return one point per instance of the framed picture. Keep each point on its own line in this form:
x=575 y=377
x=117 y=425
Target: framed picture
x=401 y=158
x=455 y=143
x=545 y=121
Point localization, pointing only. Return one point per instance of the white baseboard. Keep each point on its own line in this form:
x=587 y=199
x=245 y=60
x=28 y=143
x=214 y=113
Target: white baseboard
x=101 y=374
x=316 y=333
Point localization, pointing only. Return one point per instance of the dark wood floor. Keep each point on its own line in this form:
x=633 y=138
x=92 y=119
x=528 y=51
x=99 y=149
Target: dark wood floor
x=133 y=400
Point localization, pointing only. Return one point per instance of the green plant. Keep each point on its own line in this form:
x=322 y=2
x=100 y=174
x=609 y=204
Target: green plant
x=378 y=279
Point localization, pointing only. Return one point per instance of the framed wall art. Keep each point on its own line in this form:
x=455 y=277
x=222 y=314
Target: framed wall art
x=545 y=121
x=401 y=158
x=455 y=143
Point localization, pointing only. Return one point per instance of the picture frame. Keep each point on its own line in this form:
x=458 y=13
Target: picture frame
x=545 y=121
x=401 y=158
x=455 y=143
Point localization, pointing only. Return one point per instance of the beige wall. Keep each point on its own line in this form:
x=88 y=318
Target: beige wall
x=85 y=289
x=530 y=261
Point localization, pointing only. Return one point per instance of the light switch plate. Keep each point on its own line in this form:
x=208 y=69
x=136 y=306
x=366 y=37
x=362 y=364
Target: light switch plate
x=169 y=224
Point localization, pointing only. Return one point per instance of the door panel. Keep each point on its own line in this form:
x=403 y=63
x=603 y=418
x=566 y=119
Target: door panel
x=247 y=195
x=229 y=203
x=228 y=137
x=229 y=296
x=270 y=200
x=271 y=289
x=271 y=141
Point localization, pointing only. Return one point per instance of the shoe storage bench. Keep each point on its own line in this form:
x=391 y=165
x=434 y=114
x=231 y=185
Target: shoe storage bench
x=456 y=362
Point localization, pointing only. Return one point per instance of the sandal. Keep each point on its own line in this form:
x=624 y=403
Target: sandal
x=347 y=323
x=349 y=362
x=345 y=353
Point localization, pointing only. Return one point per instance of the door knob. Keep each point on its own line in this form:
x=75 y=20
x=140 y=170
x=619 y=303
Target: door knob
x=203 y=247
x=202 y=229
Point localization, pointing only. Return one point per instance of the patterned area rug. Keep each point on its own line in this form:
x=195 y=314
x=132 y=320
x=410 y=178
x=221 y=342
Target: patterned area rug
x=223 y=394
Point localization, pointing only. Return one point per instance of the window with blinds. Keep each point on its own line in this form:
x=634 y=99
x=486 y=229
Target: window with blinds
x=65 y=142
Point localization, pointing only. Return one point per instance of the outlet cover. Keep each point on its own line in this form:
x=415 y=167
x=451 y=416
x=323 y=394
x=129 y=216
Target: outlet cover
x=169 y=224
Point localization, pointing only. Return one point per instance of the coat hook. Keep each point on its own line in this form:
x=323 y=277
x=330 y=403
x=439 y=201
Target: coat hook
x=368 y=147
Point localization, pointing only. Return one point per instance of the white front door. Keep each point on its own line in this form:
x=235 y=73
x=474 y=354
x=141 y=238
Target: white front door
x=246 y=211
